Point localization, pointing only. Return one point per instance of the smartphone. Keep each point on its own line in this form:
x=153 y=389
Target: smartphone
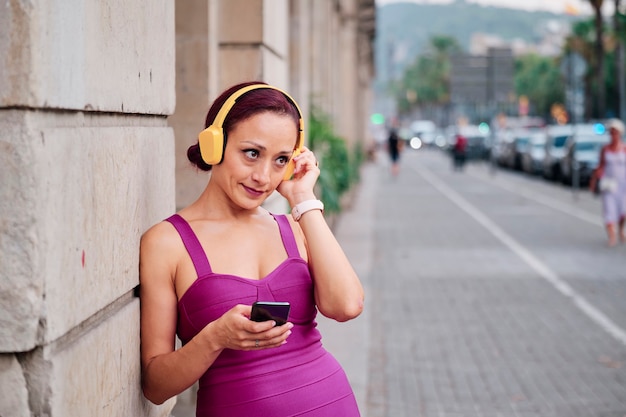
x=270 y=310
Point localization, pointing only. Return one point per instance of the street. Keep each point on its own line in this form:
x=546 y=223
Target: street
x=489 y=293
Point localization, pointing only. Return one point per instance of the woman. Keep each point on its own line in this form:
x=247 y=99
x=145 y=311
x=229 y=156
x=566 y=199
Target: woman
x=610 y=178
x=203 y=268
x=394 y=147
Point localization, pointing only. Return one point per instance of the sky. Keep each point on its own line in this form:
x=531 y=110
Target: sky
x=556 y=6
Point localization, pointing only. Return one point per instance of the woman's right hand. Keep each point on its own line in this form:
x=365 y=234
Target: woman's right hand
x=235 y=330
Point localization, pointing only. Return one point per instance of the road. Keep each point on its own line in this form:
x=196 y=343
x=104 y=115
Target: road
x=489 y=293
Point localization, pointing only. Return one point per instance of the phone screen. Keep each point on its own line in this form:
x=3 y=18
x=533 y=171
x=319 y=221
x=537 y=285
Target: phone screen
x=270 y=310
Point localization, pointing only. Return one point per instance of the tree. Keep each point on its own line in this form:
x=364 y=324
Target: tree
x=539 y=78
x=427 y=81
x=599 y=55
x=618 y=28
x=581 y=41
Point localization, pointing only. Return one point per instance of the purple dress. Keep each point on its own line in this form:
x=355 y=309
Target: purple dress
x=614 y=202
x=299 y=378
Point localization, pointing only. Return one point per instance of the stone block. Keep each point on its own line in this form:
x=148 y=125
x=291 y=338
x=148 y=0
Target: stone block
x=240 y=64
x=14 y=394
x=275 y=27
x=256 y=22
x=88 y=55
x=245 y=19
x=94 y=371
x=275 y=70
x=78 y=191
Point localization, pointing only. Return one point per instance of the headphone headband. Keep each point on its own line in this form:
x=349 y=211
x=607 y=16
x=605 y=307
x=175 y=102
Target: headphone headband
x=230 y=102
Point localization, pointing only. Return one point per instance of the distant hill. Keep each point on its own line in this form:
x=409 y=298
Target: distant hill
x=404 y=29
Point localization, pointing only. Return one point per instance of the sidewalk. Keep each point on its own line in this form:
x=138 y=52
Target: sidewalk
x=349 y=341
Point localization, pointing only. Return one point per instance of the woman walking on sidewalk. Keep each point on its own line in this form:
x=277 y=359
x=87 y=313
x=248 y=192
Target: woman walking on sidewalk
x=203 y=268
x=394 y=147
x=610 y=179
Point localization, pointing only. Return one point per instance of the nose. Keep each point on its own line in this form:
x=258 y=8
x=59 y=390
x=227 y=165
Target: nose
x=261 y=173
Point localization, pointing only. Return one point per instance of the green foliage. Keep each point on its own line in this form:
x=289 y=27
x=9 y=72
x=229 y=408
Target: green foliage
x=427 y=81
x=539 y=78
x=339 y=170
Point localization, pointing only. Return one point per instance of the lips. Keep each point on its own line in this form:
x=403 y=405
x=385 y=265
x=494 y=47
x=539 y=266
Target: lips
x=253 y=192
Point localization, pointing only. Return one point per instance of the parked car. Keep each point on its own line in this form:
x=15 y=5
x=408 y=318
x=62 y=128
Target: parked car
x=501 y=146
x=532 y=158
x=425 y=130
x=582 y=151
x=554 y=150
x=517 y=147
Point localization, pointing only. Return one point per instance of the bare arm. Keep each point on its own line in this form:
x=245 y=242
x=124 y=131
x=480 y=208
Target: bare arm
x=338 y=290
x=597 y=173
x=166 y=372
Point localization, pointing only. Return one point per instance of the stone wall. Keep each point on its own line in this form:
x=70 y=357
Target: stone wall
x=86 y=162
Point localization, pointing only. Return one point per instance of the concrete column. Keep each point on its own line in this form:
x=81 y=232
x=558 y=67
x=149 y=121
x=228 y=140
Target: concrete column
x=86 y=165
x=197 y=28
x=254 y=46
x=348 y=74
x=300 y=55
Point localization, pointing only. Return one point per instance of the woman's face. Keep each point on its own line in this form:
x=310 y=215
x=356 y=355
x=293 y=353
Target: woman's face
x=256 y=156
x=616 y=135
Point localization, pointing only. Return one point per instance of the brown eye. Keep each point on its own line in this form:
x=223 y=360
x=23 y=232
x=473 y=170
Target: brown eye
x=251 y=153
x=282 y=160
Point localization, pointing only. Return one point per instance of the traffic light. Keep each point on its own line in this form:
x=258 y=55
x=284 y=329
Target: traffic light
x=378 y=119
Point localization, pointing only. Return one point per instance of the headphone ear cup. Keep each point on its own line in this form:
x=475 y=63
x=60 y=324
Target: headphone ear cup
x=291 y=165
x=211 y=141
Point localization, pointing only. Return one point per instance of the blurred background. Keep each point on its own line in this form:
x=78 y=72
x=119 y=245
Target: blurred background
x=503 y=73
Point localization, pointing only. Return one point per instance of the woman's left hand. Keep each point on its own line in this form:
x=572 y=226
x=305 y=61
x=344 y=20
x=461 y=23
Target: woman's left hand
x=305 y=175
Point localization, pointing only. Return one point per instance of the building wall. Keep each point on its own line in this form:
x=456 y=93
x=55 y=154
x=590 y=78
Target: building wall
x=99 y=101
x=85 y=166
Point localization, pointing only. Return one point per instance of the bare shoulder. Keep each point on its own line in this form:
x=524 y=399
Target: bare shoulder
x=161 y=236
x=160 y=249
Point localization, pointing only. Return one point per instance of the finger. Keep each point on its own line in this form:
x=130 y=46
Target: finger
x=273 y=338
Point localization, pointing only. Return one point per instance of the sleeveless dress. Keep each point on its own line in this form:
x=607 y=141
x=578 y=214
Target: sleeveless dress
x=299 y=378
x=614 y=202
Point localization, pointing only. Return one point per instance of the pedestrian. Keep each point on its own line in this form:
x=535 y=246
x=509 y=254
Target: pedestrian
x=610 y=180
x=202 y=268
x=394 y=148
x=459 y=152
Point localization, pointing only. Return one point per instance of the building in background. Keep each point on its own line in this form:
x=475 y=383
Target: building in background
x=480 y=85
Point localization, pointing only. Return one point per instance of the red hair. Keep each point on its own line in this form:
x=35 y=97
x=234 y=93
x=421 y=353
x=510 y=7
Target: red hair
x=250 y=104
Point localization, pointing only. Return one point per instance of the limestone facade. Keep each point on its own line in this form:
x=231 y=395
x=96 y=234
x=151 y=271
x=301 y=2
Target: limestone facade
x=99 y=100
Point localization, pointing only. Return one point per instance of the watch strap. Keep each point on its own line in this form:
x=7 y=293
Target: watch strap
x=299 y=209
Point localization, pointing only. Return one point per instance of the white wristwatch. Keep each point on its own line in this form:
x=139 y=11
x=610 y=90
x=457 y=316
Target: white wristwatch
x=299 y=209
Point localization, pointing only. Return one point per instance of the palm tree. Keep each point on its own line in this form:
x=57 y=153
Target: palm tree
x=599 y=54
x=619 y=60
x=581 y=41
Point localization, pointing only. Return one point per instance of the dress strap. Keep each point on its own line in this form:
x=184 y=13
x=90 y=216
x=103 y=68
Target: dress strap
x=289 y=241
x=192 y=244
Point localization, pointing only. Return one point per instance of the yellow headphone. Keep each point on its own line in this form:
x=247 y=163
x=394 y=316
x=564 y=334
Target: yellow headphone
x=211 y=139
